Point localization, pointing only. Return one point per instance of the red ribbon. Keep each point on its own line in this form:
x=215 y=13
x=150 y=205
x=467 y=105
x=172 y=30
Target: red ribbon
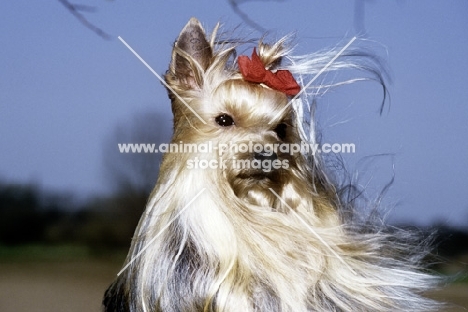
x=254 y=71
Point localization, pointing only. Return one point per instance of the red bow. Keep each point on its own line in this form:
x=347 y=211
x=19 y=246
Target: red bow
x=254 y=71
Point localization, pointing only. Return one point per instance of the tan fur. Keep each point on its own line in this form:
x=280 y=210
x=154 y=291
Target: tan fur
x=238 y=246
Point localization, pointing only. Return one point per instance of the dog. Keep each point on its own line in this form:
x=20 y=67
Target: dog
x=246 y=222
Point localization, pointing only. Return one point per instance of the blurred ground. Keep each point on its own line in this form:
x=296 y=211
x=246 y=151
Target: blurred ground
x=54 y=286
x=78 y=286
x=456 y=297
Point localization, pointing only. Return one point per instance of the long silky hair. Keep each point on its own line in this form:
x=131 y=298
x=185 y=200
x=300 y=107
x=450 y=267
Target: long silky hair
x=238 y=239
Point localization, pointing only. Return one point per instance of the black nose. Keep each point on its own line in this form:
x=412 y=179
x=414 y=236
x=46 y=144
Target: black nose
x=265 y=156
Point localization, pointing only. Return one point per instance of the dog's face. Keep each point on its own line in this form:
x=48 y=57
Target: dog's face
x=253 y=127
x=249 y=125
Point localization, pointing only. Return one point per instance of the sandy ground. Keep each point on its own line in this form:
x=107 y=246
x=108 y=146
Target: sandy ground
x=79 y=287
x=456 y=297
x=48 y=287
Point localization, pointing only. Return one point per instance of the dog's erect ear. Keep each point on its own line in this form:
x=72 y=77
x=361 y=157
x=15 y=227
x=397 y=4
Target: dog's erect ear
x=191 y=56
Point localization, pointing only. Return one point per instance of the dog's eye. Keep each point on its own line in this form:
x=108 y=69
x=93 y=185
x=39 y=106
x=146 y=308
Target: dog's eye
x=224 y=120
x=281 y=131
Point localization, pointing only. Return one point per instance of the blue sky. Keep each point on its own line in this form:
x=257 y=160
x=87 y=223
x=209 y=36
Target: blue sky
x=63 y=89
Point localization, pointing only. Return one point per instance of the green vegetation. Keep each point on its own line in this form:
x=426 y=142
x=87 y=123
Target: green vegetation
x=38 y=252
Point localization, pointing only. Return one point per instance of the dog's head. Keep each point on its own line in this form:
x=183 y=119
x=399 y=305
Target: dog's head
x=212 y=238
x=249 y=124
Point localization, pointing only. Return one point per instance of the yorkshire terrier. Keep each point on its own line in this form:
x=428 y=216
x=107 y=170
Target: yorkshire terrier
x=241 y=219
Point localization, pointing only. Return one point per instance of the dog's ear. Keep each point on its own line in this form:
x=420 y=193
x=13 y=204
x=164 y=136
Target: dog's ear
x=191 y=56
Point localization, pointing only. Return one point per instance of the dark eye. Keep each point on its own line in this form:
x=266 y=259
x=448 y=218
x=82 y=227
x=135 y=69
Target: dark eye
x=281 y=131
x=224 y=120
